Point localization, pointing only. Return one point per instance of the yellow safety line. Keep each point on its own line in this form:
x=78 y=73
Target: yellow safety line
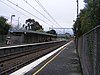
x=49 y=61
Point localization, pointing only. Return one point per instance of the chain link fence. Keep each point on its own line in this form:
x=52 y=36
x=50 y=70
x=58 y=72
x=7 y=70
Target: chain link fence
x=89 y=51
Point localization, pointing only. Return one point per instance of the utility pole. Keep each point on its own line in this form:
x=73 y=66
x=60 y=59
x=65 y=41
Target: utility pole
x=76 y=38
x=77 y=8
x=77 y=16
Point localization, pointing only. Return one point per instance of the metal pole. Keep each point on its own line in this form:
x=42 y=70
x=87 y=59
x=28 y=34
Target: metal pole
x=8 y=41
x=77 y=8
x=76 y=38
x=11 y=18
x=18 y=22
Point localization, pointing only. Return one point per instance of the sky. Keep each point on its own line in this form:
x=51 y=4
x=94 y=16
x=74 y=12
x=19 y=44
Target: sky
x=63 y=11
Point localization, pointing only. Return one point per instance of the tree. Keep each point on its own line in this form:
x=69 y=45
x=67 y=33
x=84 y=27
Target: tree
x=52 y=32
x=36 y=26
x=4 y=26
x=31 y=24
x=88 y=18
x=86 y=1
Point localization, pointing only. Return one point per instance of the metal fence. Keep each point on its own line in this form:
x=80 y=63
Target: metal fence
x=89 y=51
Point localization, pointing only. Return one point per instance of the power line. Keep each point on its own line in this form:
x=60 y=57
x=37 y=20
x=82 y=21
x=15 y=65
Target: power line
x=47 y=12
x=26 y=11
x=38 y=11
x=13 y=8
x=61 y=28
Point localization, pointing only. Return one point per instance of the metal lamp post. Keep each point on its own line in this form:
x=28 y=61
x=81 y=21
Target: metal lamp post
x=11 y=22
x=11 y=18
x=8 y=41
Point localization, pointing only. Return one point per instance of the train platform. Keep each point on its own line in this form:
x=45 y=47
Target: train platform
x=64 y=62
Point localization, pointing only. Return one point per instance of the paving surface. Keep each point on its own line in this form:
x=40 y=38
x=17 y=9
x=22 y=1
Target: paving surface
x=66 y=63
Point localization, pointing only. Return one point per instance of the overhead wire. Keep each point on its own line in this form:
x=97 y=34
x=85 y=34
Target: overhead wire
x=47 y=12
x=38 y=11
x=26 y=11
x=13 y=8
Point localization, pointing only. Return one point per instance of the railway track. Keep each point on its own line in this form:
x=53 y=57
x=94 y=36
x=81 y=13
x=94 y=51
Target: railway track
x=15 y=57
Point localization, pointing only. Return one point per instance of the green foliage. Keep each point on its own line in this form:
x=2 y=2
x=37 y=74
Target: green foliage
x=88 y=18
x=52 y=32
x=31 y=24
x=4 y=26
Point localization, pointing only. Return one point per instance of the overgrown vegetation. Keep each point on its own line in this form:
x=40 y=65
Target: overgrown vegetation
x=88 y=18
x=52 y=32
x=4 y=26
x=33 y=25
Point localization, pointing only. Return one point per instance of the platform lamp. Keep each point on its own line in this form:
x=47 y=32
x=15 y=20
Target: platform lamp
x=8 y=40
x=11 y=18
x=11 y=22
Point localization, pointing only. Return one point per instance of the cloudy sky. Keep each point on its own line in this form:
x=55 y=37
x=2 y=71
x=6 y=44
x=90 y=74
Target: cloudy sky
x=63 y=11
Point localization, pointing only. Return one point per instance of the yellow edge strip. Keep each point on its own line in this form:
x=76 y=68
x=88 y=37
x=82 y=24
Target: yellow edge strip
x=49 y=61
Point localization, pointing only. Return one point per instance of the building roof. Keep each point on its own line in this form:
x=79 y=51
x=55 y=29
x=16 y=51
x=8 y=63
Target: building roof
x=32 y=32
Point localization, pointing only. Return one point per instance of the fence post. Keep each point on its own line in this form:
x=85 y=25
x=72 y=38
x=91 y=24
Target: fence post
x=98 y=52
